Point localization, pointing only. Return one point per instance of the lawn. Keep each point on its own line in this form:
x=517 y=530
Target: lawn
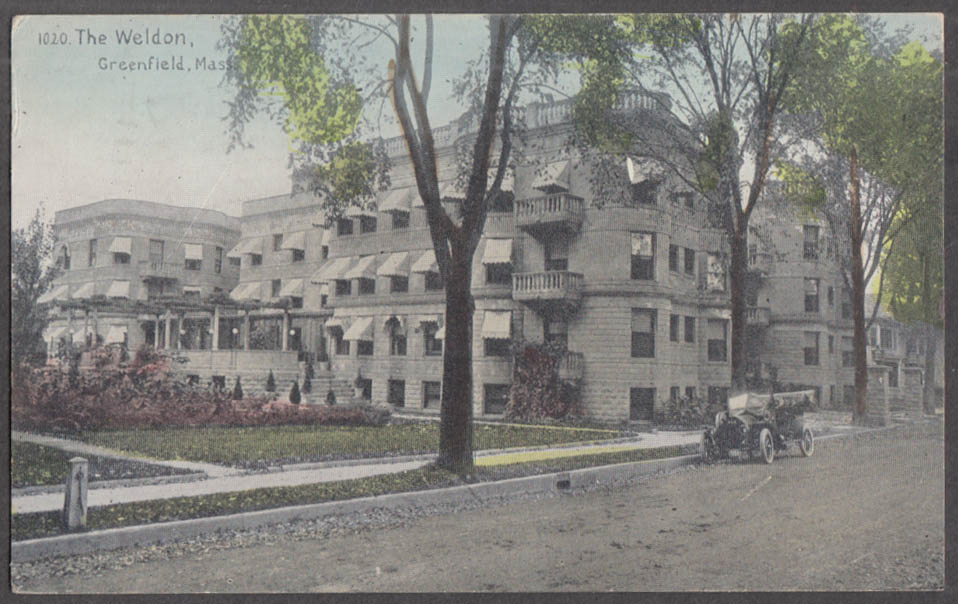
x=30 y=526
x=35 y=465
x=292 y=444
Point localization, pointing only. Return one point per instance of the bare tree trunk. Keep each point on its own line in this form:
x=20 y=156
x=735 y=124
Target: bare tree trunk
x=928 y=393
x=455 y=432
x=738 y=266
x=858 y=292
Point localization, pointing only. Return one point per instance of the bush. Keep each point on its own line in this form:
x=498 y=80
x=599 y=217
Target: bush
x=687 y=412
x=237 y=390
x=537 y=392
x=330 y=398
x=270 y=382
x=294 y=396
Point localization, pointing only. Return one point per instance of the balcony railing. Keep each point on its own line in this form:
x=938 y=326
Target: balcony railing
x=155 y=268
x=570 y=366
x=559 y=210
x=759 y=316
x=547 y=286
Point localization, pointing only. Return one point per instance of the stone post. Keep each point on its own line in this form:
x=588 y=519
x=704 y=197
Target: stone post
x=216 y=328
x=169 y=319
x=877 y=412
x=156 y=334
x=74 y=504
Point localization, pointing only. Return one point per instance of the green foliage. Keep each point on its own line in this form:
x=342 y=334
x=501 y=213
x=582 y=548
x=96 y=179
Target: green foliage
x=270 y=382
x=307 y=384
x=237 y=390
x=803 y=189
x=294 y=395
x=32 y=271
x=687 y=412
x=330 y=397
x=537 y=392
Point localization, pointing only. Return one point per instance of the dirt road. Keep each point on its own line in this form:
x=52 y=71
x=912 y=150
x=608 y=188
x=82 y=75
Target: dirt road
x=864 y=513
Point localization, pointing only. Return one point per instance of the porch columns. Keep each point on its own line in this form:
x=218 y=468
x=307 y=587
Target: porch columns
x=156 y=334
x=285 y=330
x=179 y=330
x=86 y=323
x=216 y=328
x=166 y=341
x=96 y=327
x=246 y=329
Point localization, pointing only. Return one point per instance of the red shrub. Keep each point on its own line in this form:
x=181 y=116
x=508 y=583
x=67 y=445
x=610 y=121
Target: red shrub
x=537 y=392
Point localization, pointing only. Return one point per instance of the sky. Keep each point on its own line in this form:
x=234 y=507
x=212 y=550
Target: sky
x=83 y=129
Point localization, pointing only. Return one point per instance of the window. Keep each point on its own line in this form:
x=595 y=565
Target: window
x=643 y=193
x=831 y=344
x=433 y=281
x=91 y=259
x=367 y=224
x=557 y=255
x=121 y=258
x=499 y=273
x=344 y=287
x=235 y=261
x=397 y=338
x=643 y=333
x=831 y=395
x=674 y=258
x=323 y=299
x=431 y=345
x=191 y=293
x=156 y=250
x=277 y=242
x=431 y=394
x=893 y=376
x=364 y=348
x=324 y=252
x=831 y=295
x=501 y=203
x=717 y=344
x=684 y=198
x=255 y=259
x=811 y=348
x=400 y=220
x=846 y=310
x=715 y=278
x=367 y=287
x=495 y=347
x=495 y=399
x=398 y=284
x=689 y=261
x=299 y=255
x=848 y=395
x=690 y=392
x=218 y=260
x=556 y=333
x=872 y=335
x=396 y=393
x=296 y=301
x=193 y=265
x=887 y=338
x=342 y=346
x=674 y=328
x=848 y=351
x=641 y=404
x=718 y=395
x=275 y=286
x=366 y=385
x=811 y=295
x=643 y=256
x=344 y=226
x=810 y=248
x=690 y=329
x=674 y=393
x=66 y=258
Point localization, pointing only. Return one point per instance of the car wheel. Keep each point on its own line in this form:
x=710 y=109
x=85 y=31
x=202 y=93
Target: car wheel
x=766 y=445
x=707 y=449
x=807 y=444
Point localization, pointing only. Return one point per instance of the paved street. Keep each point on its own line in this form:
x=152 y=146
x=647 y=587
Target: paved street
x=863 y=513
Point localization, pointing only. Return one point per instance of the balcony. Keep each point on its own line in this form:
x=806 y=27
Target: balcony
x=559 y=212
x=571 y=366
x=757 y=316
x=150 y=269
x=548 y=291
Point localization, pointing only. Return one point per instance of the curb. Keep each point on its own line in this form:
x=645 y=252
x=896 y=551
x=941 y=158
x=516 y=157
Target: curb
x=110 y=539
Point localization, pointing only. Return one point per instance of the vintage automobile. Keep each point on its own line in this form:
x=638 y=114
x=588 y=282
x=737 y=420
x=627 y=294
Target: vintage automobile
x=760 y=423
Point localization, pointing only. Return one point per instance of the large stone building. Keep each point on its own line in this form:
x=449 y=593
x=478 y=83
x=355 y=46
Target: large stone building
x=631 y=283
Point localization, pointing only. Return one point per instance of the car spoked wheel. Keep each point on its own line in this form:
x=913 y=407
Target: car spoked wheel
x=807 y=444
x=707 y=449
x=766 y=445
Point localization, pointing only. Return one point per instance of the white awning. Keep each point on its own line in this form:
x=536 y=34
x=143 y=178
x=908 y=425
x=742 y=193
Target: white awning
x=253 y=245
x=498 y=251
x=193 y=251
x=327 y=235
x=441 y=334
x=642 y=169
x=121 y=245
x=426 y=263
x=192 y=289
x=497 y=325
x=364 y=269
x=119 y=289
x=333 y=270
x=115 y=335
x=508 y=179
x=641 y=244
x=450 y=190
x=416 y=200
x=397 y=265
x=294 y=241
x=356 y=212
x=55 y=333
x=87 y=290
x=324 y=290
x=255 y=291
x=79 y=335
x=361 y=329
x=59 y=292
x=319 y=220
x=292 y=287
x=397 y=200
x=336 y=323
x=246 y=291
x=553 y=178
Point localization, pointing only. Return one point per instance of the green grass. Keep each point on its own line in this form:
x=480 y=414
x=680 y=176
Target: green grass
x=315 y=443
x=31 y=526
x=32 y=464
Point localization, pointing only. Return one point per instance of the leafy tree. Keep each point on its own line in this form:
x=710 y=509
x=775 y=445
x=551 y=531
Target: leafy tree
x=270 y=382
x=32 y=271
x=311 y=75
x=877 y=117
x=727 y=76
x=237 y=390
x=294 y=395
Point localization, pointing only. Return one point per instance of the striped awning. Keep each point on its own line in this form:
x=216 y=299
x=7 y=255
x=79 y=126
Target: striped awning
x=294 y=241
x=333 y=270
x=253 y=245
x=292 y=287
x=553 y=178
x=250 y=290
x=498 y=251
x=364 y=269
x=497 y=325
x=335 y=323
x=357 y=211
x=426 y=263
x=396 y=265
x=121 y=245
x=361 y=329
x=193 y=251
x=450 y=190
x=87 y=290
x=397 y=200
x=119 y=289
x=59 y=292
